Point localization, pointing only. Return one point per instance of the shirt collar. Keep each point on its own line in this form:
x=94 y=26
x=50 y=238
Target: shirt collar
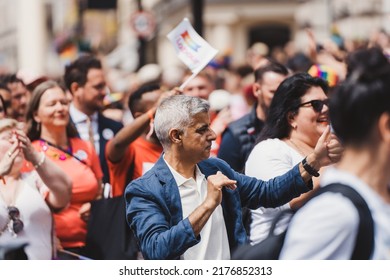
x=80 y=117
x=180 y=179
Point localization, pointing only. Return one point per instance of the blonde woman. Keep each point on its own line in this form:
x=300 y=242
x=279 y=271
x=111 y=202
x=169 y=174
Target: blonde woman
x=27 y=199
x=51 y=132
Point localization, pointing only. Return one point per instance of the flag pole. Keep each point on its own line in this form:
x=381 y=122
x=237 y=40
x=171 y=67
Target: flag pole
x=189 y=79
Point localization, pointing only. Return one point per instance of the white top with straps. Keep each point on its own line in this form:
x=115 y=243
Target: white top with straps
x=36 y=216
x=326 y=227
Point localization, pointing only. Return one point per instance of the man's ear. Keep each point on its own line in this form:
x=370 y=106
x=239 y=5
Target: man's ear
x=384 y=126
x=256 y=89
x=175 y=136
x=74 y=87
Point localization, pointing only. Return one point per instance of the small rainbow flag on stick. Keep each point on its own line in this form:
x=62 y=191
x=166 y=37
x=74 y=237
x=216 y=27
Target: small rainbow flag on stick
x=191 y=48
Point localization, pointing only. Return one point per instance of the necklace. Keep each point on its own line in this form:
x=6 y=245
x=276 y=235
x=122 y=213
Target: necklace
x=297 y=148
x=55 y=151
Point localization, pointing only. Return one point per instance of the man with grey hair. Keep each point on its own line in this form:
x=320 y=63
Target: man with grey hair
x=188 y=206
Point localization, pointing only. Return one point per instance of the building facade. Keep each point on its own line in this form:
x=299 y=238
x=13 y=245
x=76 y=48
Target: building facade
x=43 y=35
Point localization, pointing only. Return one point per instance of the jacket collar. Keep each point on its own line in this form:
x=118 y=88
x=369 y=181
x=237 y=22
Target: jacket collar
x=170 y=189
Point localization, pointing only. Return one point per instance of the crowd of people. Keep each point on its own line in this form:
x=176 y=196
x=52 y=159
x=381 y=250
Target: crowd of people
x=203 y=170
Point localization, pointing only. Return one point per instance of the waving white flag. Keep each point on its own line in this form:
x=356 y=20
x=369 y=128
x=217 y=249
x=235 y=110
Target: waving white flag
x=191 y=48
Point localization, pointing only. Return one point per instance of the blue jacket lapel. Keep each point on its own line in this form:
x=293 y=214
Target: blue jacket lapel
x=170 y=189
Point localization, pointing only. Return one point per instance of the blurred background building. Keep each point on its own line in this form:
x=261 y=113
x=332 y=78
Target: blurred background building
x=44 y=35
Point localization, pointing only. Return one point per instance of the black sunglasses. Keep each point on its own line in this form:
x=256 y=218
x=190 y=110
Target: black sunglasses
x=14 y=215
x=316 y=104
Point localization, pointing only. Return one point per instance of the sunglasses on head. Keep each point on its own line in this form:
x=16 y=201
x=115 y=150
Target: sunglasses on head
x=14 y=215
x=316 y=104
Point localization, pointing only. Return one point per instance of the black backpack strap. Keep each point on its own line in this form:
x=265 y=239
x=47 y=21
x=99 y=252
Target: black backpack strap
x=365 y=239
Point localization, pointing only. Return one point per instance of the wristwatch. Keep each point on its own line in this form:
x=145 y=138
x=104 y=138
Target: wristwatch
x=309 y=168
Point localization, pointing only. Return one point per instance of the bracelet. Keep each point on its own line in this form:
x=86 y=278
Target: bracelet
x=309 y=168
x=42 y=160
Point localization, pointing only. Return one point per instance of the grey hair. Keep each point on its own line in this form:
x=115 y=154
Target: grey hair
x=176 y=112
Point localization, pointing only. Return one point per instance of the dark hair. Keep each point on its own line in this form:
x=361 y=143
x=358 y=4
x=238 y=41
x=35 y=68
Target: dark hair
x=135 y=97
x=10 y=79
x=4 y=105
x=286 y=101
x=77 y=71
x=7 y=103
x=4 y=86
x=33 y=129
x=271 y=66
x=358 y=102
x=299 y=62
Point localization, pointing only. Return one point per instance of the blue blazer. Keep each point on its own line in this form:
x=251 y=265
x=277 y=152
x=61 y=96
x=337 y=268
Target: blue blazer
x=154 y=210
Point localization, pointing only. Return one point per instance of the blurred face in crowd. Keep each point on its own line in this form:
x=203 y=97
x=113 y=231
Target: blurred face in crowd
x=312 y=118
x=265 y=89
x=89 y=98
x=53 y=110
x=2 y=110
x=6 y=95
x=19 y=100
x=199 y=87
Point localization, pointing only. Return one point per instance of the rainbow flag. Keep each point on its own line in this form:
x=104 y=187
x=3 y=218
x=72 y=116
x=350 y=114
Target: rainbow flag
x=325 y=72
x=190 y=47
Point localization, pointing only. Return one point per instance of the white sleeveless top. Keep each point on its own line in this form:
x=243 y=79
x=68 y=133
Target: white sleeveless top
x=36 y=216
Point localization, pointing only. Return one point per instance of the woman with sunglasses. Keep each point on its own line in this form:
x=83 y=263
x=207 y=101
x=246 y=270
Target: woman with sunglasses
x=27 y=199
x=328 y=226
x=297 y=118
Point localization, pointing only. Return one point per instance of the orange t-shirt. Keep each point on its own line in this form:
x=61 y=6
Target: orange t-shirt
x=142 y=154
x=70 y=228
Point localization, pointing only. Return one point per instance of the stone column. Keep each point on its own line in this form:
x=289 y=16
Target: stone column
x=31 y=35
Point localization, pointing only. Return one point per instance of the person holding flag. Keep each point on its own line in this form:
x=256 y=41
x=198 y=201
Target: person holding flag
x=196 y=53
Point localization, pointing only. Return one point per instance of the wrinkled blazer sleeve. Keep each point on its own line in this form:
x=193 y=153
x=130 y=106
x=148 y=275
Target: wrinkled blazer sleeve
x=255 y=193
x=274 y=192
x=148 y=215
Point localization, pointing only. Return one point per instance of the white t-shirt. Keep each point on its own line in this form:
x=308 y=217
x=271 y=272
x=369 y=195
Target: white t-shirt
x=268 y=159
x=36 y=217
x=214 y=243
x=326 y=227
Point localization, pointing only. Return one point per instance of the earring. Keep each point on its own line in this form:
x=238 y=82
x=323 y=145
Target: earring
x=38 y=126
